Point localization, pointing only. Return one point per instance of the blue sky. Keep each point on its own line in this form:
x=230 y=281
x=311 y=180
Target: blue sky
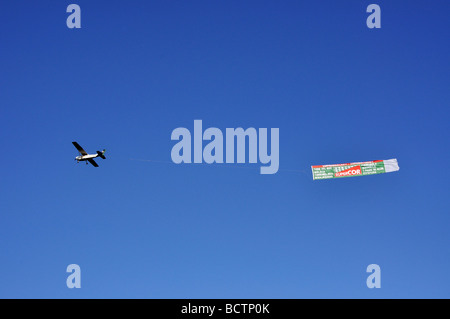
x=136 y=70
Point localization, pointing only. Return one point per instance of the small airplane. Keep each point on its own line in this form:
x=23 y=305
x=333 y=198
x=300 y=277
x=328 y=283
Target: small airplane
x=84 y=156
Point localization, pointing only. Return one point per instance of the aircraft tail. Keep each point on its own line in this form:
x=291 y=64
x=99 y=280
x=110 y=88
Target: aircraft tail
x=101 y=154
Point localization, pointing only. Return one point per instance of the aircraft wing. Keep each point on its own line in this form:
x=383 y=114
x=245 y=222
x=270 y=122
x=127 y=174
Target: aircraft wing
x=93 y=162
x=79 y=148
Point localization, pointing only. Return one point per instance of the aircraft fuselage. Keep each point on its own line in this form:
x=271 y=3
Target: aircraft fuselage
x=85 y=157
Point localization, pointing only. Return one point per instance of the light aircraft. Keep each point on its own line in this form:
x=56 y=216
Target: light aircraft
x=84 y=156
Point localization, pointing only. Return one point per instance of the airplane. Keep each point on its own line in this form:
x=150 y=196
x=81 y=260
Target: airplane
x=84 y=156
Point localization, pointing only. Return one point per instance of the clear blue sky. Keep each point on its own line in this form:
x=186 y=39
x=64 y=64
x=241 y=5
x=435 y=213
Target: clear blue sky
x=136 y=70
